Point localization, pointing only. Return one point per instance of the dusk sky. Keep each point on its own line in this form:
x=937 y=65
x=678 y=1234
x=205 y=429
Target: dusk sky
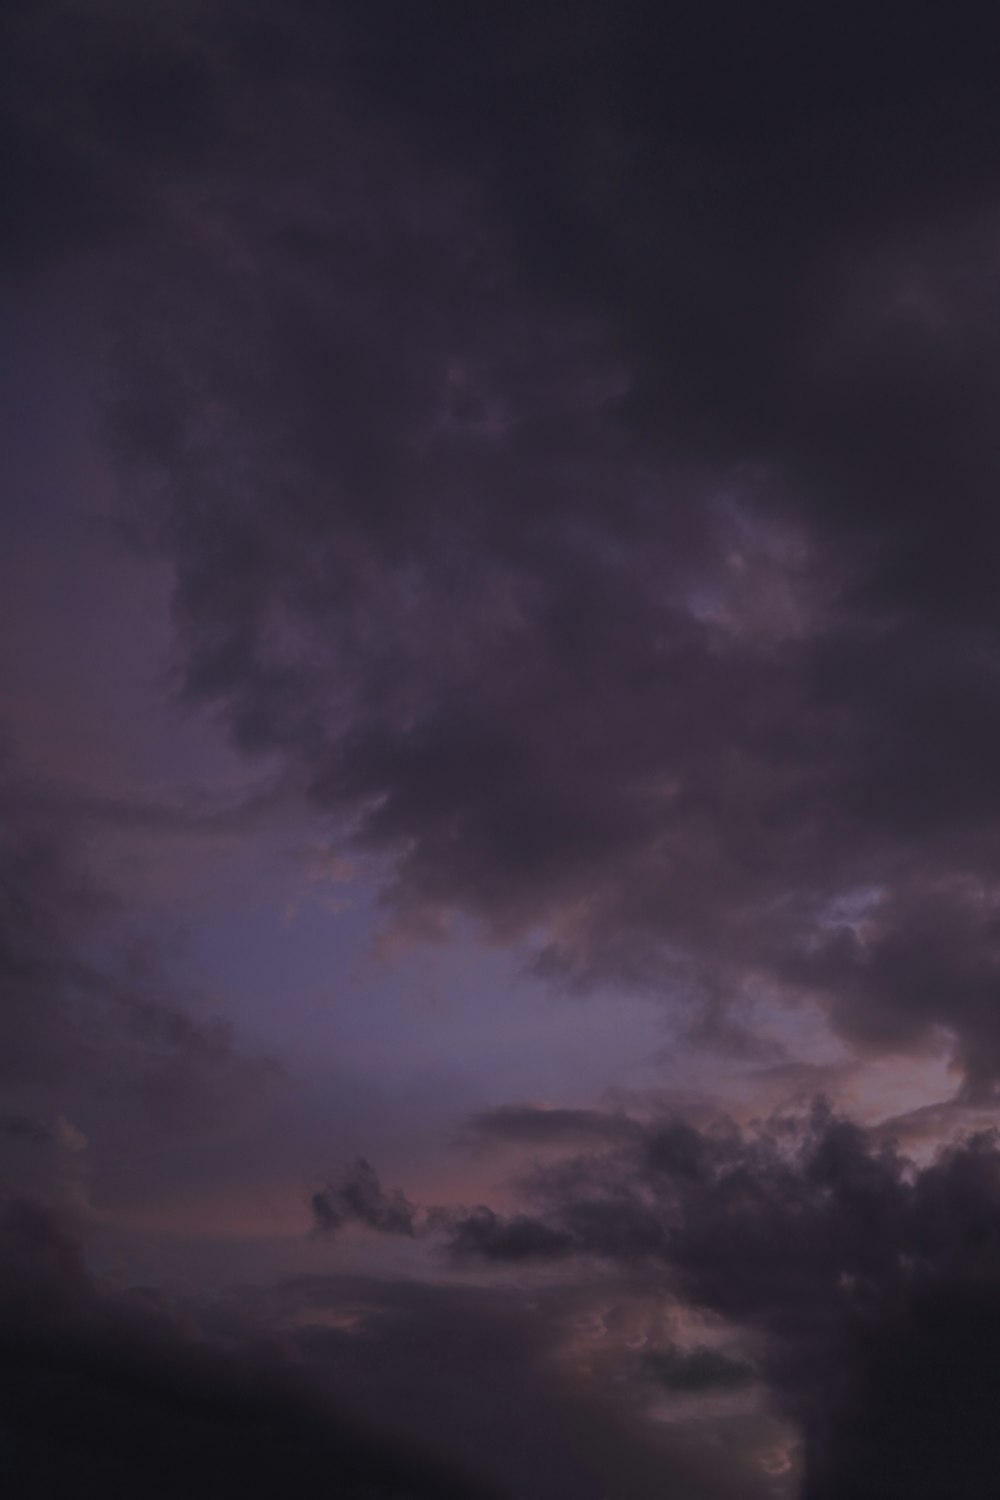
x=500 y=750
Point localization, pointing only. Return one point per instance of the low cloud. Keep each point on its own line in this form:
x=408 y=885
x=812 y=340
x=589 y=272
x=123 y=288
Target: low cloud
x=110 y=1392
x=540 y=1387
x=868 y=1284
x=359 y=1198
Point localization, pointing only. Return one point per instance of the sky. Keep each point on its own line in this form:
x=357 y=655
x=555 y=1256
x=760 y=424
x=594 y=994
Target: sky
x=499 y=727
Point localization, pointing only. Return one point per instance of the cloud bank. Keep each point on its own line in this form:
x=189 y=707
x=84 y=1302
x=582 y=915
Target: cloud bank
x=581 y=488
x=867 y=1286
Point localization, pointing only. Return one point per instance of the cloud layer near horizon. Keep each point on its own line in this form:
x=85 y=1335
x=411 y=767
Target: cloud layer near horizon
x=104 y=1390
x=868 y=1288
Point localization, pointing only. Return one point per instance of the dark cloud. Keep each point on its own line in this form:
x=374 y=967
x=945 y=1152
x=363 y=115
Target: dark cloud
x=105 y=1393
x=102 y=113
x=572 y=433
x=352 y=1380
x=925 y=955
x=534 y=1386
x=359 y=1198
x=577 y=474
x=20 y=1127
x=518 y=1237
x=872 y=1286
x=698 y=1370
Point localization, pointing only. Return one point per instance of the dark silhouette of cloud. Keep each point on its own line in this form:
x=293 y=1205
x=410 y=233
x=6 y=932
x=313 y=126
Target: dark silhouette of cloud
x=101 y=112
x=360 y=1198
x=490 y=1373
x=105 y=1393
x=482 y=1232
x=576 y=468
x=572 y=433
x=870 y=1285
x=698 y=1370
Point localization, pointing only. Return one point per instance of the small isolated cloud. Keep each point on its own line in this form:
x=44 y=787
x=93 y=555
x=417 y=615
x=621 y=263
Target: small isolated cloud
x=359 y=1198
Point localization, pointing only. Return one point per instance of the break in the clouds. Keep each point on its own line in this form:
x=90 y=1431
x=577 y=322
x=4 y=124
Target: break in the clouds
x=106 y=1055
x=549 y=456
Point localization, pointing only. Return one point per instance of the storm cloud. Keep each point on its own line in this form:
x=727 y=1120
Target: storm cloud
x=108 y=1389
x=583 y=489
x=868 y=1286
x=552 y=449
